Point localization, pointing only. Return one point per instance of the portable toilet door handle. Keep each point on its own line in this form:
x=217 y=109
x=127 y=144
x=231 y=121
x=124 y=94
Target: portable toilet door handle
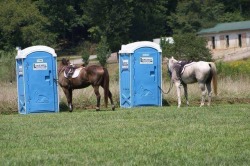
x=152 y=72
x=48 y=77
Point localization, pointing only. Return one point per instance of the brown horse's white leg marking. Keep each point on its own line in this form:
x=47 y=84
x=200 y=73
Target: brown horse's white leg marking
x=68 y=94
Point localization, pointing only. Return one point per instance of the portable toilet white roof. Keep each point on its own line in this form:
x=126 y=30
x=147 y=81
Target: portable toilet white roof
x=21 y=54
x=131 y=47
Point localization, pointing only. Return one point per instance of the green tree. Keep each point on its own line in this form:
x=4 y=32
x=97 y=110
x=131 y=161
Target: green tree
x=7 y=65
x=85 y=57
x=149 y=19
x=237 y=7
x=109 y=18
x=191 y=16
x=186 y=18
x=166 y=46
x=231 y=17
x=103 y=51
x=66 y=19
x=21 y=24
x=187 y=47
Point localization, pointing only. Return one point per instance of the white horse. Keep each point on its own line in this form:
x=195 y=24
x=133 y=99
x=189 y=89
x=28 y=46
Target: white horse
x=201 y=72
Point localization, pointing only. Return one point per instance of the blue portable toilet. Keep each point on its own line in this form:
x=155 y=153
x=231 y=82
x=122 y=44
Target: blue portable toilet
x=36 y=74
x=140 y=74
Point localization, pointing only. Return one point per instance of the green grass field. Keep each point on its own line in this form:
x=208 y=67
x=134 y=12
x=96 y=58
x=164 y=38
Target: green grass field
x=217 y=135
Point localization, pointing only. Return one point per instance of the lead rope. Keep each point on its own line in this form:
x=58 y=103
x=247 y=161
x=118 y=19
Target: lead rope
x=171 y=84
x=170 y=87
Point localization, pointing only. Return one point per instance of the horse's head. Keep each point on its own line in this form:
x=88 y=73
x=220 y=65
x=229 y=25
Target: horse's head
x=173 y=60
x=65 y=62
x=62 y=65
x=170 y=63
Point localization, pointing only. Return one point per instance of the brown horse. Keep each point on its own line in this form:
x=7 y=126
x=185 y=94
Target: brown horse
x=91 y=75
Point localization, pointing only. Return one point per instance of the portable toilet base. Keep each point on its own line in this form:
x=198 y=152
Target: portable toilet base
x=36 y=73
x=140 y=74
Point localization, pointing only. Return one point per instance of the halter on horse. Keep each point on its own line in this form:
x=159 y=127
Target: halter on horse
x=201 y=72
x=91 y=75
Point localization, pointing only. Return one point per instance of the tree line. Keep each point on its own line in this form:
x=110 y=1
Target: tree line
x=64 y=24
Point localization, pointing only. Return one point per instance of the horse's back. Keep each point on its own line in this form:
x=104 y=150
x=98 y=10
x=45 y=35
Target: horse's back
x=196 y=72
x=202 y=66
x=203 y=71
x=94 y=69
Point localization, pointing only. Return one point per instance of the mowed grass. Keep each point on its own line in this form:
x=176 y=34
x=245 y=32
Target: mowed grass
x=217 y=135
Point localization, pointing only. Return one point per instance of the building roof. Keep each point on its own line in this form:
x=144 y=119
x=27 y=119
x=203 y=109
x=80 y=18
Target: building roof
x=223 y=27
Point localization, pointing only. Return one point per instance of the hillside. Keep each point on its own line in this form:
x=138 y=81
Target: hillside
x=232 y=54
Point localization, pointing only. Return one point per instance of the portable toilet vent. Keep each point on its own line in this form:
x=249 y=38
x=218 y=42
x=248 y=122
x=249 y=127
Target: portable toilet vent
x=36 y=73
x=140 y=74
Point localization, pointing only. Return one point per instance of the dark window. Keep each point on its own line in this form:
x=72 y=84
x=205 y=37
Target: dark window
x=213 y=42
x=240 y=42
x=227 y=40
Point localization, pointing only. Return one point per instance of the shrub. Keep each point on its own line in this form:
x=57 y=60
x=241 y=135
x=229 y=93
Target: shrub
x=187 y=47
x=85 y=57
x=7 y=66
x=235 y=68
x=85 y=49
x=103 y=51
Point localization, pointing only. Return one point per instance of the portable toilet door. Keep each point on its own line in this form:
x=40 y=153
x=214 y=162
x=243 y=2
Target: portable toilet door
x=36 y=72
x=140 y=74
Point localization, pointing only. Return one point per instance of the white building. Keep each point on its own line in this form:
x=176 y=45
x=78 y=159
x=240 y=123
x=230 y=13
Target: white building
x=228 y=35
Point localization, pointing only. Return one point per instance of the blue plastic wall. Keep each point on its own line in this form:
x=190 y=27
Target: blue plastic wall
x=126 y=97
x=140 y=78
x=37 y=83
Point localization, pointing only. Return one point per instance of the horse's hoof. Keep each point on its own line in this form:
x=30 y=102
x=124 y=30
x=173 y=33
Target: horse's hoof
x=97 y=109
x=113 y=108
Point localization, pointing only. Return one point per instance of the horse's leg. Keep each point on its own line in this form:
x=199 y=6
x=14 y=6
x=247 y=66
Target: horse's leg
x=178 y=89
x=68 y=94
x=209 y=91
x=186 y=93
x=111 y=100
x=98 y=97
x=70 y=101
x=203 y=89
x=110 y=96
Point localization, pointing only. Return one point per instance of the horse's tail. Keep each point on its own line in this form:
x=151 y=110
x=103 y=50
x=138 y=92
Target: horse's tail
x=214 y=75
x=106 y=86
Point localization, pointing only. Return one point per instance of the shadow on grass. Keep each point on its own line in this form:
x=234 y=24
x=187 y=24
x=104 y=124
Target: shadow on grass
x=63 y=107
x=165 y=102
